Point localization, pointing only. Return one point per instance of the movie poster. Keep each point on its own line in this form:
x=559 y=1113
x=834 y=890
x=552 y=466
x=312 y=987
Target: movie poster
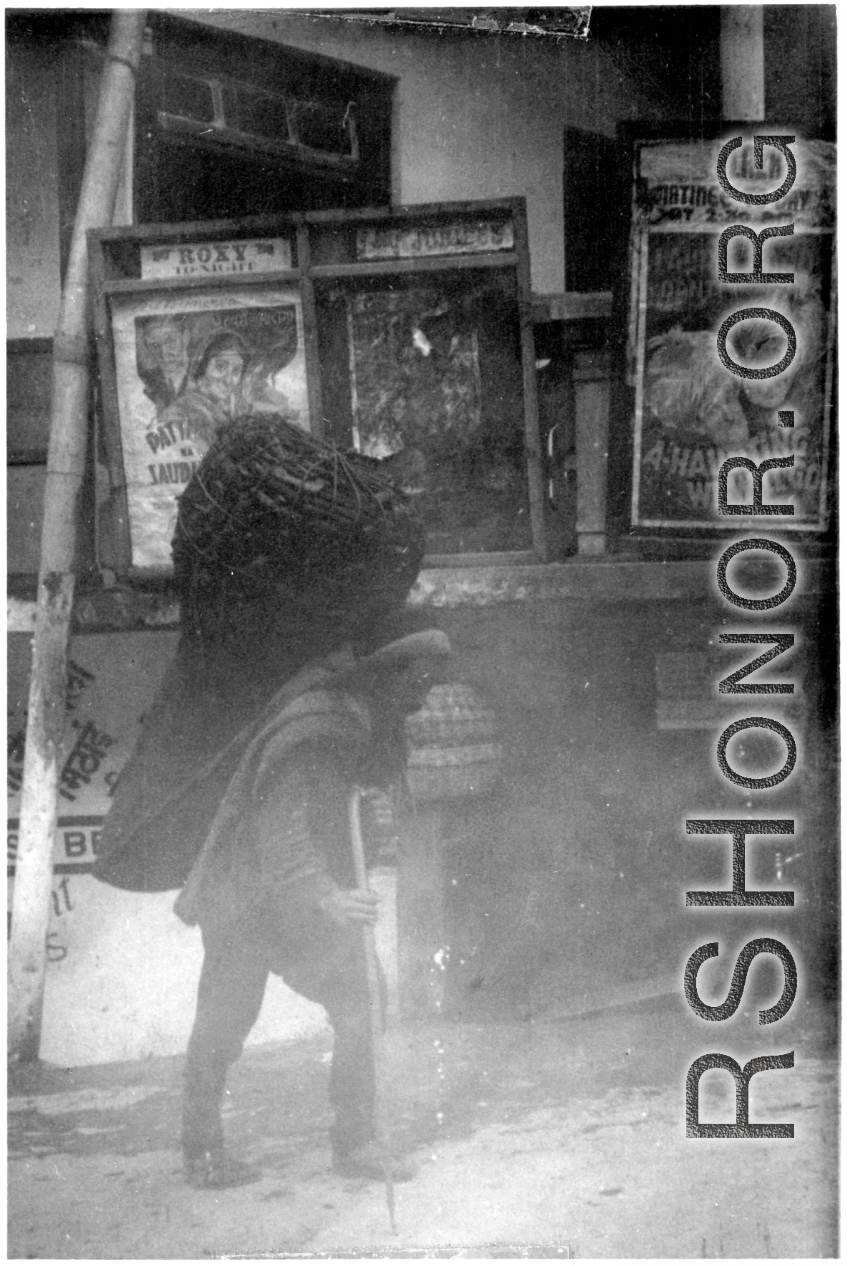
x=691 y=412
x=403 y=393
x=186 y=365
x=433 y=375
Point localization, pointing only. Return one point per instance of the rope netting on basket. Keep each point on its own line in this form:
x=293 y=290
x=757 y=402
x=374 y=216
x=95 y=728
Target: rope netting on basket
x=273 y=514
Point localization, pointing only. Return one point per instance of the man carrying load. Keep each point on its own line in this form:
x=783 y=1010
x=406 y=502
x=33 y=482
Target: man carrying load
x=292 y=564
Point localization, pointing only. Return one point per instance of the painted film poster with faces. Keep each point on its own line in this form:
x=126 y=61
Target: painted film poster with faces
x=186 y=365
x=691 y=413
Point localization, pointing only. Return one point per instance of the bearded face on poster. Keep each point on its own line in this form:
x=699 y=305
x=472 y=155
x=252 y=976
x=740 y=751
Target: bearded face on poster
x=163 y=358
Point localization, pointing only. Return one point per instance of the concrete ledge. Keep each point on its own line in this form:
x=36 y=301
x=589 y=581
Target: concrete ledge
x=594 y=580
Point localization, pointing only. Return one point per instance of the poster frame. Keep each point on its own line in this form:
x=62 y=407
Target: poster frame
x=115 y=257
x=686 y=537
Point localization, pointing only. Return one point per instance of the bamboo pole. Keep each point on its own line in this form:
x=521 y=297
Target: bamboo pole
x=381 y=1133
x=65 y=468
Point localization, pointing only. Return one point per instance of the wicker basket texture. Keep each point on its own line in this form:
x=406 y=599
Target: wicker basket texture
x=273 y=509
x=453 y=745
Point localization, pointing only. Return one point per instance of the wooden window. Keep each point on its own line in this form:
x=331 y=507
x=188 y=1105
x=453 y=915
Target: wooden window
x=229 y=126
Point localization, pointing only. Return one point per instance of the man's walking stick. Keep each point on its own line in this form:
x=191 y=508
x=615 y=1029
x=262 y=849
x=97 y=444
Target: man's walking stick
x=375 y=1000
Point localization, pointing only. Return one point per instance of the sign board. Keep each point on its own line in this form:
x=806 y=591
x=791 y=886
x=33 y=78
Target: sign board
x=111 y=681
x=459 y=237
x=215 y=259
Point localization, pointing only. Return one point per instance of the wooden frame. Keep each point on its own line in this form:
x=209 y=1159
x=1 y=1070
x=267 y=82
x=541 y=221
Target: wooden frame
x=267 y=174
x=315 y=281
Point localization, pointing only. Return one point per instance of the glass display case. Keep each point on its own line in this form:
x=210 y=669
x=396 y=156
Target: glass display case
x=404 y=335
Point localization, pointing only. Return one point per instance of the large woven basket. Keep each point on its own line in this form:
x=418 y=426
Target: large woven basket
x=272 y=509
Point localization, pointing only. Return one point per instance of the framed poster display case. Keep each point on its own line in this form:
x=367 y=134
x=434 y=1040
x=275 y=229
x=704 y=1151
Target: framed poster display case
x=687 y=412
x=403 y=334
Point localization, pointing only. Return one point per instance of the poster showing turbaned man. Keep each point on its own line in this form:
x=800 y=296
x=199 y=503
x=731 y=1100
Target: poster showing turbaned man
x=692 y=411
x=186 y=365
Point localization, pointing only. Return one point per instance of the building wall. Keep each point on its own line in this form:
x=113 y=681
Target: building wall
x=476 y=116
x=565 y=880
x=34 y=135
x=573 y=883
x=32 y=208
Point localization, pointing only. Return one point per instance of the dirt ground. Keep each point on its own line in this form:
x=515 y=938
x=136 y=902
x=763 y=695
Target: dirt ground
x=542 y=1139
